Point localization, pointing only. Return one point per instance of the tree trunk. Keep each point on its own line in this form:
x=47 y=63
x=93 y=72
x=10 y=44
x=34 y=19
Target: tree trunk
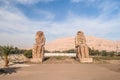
x=6 y=61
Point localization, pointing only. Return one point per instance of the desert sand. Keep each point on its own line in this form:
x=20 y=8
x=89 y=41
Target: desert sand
x=64 y=71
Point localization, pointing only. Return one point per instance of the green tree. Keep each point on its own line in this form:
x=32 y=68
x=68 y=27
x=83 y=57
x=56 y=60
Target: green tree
x=104 y=53
x=112 y=53
x=69 y=51
x=56 y=52
x=94 y=52
x=6 y=50
x=1 y=51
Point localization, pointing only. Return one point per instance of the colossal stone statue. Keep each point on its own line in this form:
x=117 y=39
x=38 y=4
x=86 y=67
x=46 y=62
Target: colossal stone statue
x=38 y=48
x=81 y=47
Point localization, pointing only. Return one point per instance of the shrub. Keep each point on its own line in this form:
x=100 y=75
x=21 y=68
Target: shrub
x=104 y=53
x=118 y=53
x=94 y=52
x=28 y=53
x=56 y=52
x=69 y=51
x=46 y=51
x=111 y=54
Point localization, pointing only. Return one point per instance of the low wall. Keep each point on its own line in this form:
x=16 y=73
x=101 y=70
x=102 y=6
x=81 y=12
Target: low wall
x=60 y=54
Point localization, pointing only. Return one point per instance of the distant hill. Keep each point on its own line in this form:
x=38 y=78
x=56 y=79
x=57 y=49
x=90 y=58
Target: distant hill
x=93 y=42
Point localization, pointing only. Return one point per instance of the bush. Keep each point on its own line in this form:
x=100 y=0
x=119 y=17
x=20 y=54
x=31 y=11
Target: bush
x=94 y=52
x=104 y=53
x=111 y=54
x=56 y=52
x=46 y=51
x=101 y=53
x=118 y=53
x=69 y=51
x=1 y=51
x=28 y=53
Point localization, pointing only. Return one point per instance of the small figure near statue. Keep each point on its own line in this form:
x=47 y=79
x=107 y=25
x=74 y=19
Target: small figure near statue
x=82 y=48
x=38 y=48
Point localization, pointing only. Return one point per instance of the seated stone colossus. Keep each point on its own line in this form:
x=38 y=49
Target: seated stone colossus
x=82 y=48
x=38 y=48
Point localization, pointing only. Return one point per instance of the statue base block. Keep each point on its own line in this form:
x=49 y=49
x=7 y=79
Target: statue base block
x=36 y=60
x=86 y=60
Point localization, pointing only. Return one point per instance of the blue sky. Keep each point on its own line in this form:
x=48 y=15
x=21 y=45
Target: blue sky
x=20 y=19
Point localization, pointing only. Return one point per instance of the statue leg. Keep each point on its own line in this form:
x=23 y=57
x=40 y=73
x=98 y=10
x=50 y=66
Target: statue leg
x=79 y=53
x=42 y=53
x=82 y=51
x=76 y=52
x=34 y=53
x=38 y=52
x=43 y=49
x=86 y=52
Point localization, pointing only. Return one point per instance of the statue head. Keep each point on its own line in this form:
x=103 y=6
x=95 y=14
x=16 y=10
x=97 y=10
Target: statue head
x=39 y=36
x=80 y=33
x=80 y=37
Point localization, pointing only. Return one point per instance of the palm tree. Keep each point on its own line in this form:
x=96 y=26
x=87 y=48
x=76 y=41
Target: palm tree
x=0 y=51
x=6 y=51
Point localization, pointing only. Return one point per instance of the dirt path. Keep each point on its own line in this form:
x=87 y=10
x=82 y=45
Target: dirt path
x=63 y=72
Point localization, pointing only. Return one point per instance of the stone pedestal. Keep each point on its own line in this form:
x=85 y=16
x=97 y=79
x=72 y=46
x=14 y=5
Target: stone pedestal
x=36 y=60
x=86 y=60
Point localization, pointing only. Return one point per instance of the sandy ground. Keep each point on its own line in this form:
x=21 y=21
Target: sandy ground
x=65 y=71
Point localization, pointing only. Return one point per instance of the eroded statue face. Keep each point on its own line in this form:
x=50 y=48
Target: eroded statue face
x=80 y=33
x=80 y=37
x=39 y=37
x=39 y=34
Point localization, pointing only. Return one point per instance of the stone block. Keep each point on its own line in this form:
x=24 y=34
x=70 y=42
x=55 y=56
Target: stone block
x=86 y=60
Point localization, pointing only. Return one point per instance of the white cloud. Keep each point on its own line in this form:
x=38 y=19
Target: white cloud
x=45 y=14
x=32 y=1
x=18 y=30
x=108 y=6
x=77 y=1
x=25 y=1
x=96 y=27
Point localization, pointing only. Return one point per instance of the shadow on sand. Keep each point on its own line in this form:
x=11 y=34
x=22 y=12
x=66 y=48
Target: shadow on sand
x=9 y=70
x=46 y=58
